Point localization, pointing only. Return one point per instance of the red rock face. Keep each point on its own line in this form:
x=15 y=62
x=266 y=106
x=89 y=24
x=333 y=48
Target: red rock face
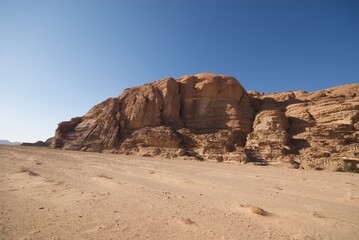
x=208 y=116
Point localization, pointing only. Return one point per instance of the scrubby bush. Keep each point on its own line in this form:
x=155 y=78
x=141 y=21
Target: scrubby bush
x=349 y=167
x=311 y=165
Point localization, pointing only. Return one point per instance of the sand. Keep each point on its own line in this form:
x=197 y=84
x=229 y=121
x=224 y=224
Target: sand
x=57 y=194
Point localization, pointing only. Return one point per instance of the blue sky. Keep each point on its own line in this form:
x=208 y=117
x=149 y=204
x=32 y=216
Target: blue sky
x=59 y=58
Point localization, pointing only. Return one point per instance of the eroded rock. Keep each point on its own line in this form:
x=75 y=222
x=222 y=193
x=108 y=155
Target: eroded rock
x=211 y=117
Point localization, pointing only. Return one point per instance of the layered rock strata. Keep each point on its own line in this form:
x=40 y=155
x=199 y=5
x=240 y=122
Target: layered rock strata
x=212 y=117
x=320 y=128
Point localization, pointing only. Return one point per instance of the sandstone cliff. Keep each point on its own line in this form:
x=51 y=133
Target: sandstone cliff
x=212 y=117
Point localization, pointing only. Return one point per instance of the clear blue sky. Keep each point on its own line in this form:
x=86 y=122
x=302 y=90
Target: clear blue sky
x=59 y=58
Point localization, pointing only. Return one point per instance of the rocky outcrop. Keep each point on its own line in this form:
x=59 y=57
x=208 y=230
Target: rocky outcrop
x=47 y=143
x=205 y=115
x=318 y=128
x=212 y=117
x=269 y=139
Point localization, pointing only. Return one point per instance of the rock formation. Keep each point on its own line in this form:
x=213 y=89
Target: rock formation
x=212 y=117
x=320 y=128
x=47 y=143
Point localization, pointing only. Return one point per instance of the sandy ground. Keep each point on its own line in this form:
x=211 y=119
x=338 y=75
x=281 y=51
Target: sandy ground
x=56 y=194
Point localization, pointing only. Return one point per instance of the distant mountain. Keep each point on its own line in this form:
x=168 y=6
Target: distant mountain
x=7 y=142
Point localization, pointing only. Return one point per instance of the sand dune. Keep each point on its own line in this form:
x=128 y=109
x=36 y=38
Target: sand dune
x=56 y=194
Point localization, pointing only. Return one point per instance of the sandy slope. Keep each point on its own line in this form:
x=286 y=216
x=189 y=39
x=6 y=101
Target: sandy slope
x=79 y=195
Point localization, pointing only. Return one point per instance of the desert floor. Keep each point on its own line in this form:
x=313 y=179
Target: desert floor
x=57 y=194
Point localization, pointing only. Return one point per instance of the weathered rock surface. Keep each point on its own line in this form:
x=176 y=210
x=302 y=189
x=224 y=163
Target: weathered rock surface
x=209 y=116
x=319 y=128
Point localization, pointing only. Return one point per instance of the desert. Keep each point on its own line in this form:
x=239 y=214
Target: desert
x=179 y=120
x=197 y=157
x=57 y=194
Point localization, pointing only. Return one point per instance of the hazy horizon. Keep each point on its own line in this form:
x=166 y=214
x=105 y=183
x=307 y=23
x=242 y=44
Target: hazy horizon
x=60 y=58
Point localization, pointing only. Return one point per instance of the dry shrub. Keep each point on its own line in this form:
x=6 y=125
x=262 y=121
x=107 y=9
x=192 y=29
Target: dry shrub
x=349 y=167
x=102 y=175
x=186 y=221
x=32 y=173
x=258 y=210
x=311 y=165
x=29 y=171
x=24 y=169
x=318 y=215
